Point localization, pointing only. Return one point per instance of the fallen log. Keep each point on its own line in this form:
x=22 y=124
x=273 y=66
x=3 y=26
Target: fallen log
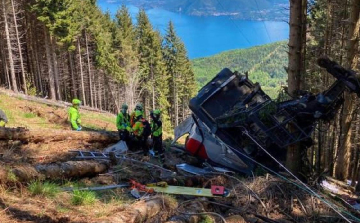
x=41 y=136
x=159 y=207
x=54 y=171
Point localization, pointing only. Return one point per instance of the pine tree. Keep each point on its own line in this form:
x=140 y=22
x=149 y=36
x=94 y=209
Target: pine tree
x=126 y=50
x=179 y=68
x=152 y=67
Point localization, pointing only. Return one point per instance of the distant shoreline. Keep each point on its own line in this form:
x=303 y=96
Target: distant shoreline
x=269 y=14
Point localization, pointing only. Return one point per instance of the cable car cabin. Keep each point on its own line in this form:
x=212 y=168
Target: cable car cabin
x=232 y=118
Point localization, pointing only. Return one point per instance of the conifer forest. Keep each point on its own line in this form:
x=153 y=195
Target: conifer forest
x=56 y=50
x=66 y=49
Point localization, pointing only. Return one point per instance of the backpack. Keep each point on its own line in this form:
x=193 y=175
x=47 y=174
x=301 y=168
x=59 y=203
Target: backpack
x=147 y=128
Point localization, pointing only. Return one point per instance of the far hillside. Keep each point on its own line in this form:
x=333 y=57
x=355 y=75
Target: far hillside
x=264 y=63
x=240 y=9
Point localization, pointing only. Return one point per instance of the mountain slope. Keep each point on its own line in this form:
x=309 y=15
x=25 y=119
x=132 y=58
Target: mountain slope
x=242 y=9
x=265 y=64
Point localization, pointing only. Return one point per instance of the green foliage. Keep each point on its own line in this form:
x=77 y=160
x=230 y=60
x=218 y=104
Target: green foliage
x=182 y=81
x=11 y=176
x=68 y=20
x=206 y=219
x=265 y=65
x=46 y=189
x=83 y=197
x=31 y=89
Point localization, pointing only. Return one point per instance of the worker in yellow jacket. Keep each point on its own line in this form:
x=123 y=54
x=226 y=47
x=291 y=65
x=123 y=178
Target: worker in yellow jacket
x=122 y=122
x=3 y=119
x=141 y=130
x=74 y=115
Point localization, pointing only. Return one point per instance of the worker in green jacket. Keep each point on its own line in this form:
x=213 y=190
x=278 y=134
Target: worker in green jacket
x=3 y=118
x=74 y=115
x=138 y=107
x=122 y=122
x=141 y=130
x=156 y=135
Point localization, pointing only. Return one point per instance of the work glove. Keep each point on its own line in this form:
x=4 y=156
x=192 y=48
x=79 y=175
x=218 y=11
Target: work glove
x=79 y=128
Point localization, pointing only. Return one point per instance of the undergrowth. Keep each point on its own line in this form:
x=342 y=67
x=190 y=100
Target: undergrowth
x=83 y=197
x=46 y=189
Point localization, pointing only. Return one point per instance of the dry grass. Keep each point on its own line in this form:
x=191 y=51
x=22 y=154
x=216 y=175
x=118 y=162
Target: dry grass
x=270 y=197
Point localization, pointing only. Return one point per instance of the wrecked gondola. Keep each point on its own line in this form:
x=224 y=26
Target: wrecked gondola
x=234 y=123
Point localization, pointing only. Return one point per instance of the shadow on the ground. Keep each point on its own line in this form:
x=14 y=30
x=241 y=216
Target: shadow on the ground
x=27 y=216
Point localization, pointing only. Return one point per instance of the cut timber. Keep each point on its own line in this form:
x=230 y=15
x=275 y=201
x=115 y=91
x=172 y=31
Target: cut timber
x=157 y=207
x=55 y=171
x=40 y=136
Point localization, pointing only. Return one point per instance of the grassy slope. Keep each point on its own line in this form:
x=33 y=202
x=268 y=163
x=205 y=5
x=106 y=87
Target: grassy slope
x=33 y=115
x=39 y=208
x=265 y=64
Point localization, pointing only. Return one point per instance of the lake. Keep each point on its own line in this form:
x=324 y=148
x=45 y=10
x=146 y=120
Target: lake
x=206 y=36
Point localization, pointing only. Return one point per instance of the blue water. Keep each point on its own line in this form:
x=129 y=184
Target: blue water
x=205 y=36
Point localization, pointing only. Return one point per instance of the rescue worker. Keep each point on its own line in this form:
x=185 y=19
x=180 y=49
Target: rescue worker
x=138 y=107
x=3 y=118
x=156 y=135
x=122 y=122
x=141 y=131
x=74 y=115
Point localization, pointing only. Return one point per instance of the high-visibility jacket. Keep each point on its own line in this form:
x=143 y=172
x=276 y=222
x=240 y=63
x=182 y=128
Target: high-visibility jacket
x=3 y=119
x=74 y=117
x=122 y=121
x=156 y=128
x=138 y=128
x=132 y=118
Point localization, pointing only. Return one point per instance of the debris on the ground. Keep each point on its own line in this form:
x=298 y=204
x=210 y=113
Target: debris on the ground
x=235 y=124
x=118 y=148
x=108 y=187
x=201 y=171
x=39 y=155
x=193 y=191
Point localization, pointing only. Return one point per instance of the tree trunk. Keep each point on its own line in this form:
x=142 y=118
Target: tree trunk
x=89 y=71
x=73 y=83
x=318 y=151
x=38 y=65
x=295 y=69
x=9 y=48
x=56 y=70
x=176 y=101
x=19 y=48
x=83 y=98
x=49 y=64
x=4 y=63
x=343 y=161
